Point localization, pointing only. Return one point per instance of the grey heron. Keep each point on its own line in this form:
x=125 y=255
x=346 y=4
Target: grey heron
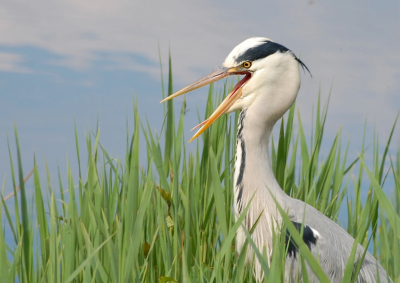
x=268 y=89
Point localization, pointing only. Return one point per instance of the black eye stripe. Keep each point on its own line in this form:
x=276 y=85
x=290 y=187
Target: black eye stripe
x=264 y=50
x=261 y=51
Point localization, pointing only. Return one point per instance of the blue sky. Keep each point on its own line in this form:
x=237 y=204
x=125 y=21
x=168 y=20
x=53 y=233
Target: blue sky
x=84 y=61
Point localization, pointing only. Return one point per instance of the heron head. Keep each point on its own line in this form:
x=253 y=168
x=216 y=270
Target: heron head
x=270 y=83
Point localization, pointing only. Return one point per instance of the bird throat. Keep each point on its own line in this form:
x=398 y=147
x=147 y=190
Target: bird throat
x=253 y=174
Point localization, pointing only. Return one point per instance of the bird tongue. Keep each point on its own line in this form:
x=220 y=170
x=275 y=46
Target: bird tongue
x=223 y=107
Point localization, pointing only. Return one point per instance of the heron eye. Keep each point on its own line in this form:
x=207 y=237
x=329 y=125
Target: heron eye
x=246 y=64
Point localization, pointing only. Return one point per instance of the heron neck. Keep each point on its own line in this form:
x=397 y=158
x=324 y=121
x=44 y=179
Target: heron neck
x=253 y=170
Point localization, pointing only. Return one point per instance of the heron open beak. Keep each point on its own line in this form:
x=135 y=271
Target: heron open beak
x=231 y=98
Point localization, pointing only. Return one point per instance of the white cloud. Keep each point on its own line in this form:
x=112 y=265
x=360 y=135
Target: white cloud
x=77 y=29
x=11 y=62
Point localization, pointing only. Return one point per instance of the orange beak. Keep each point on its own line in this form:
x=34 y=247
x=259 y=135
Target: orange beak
x=225 y=105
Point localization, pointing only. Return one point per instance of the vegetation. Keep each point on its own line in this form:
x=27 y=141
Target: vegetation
x=171 y=220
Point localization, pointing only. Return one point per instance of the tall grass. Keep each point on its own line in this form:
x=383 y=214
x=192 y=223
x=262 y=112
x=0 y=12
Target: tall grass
x=171 y=220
